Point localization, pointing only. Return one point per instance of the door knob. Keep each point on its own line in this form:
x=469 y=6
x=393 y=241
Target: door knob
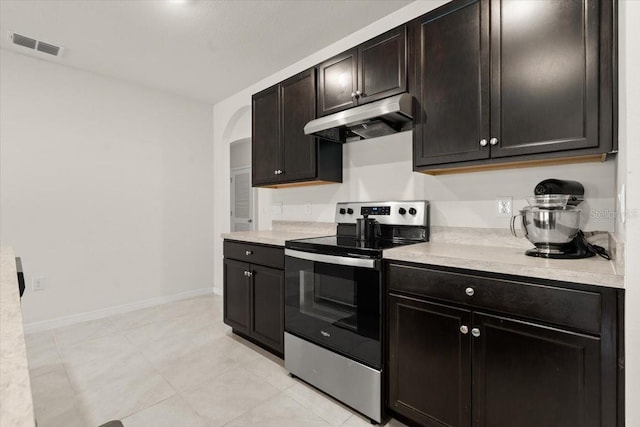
x=475 y=332
x=469 y=291
x=483 y=142
x=464 y=329
x=493 y=141
x=247 y=253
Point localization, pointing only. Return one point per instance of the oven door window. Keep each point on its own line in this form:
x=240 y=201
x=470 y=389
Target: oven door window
x=335 y=306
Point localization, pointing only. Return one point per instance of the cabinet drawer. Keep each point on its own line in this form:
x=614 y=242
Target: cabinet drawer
x=271 y=256
x=567 y=307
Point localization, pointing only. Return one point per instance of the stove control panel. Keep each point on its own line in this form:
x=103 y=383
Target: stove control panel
x=409 y=212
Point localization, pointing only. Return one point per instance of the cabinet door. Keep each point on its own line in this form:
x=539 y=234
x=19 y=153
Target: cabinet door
x=429 y=362
x=237 y=295
x=528 y=375
x=544 y=76
x=267 y=325
x=298 y=106
x=452 y=76
x=265 y=137
x=337 y=81
x=382 y=66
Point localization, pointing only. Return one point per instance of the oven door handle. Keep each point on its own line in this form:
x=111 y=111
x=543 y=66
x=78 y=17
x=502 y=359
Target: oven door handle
x=332 y=259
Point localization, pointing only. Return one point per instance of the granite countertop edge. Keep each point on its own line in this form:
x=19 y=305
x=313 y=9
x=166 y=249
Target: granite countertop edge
x=497 y=260
x=15 y=384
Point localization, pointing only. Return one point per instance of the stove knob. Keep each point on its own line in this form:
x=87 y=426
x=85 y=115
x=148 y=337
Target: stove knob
x=349 y=211
x=342 y=211
x=402 y=211
x=412 y=211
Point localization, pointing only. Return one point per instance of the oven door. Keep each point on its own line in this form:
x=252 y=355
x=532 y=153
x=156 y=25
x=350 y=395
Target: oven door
x=335 y=302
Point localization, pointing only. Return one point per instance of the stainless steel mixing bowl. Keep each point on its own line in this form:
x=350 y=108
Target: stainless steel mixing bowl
x=544 y=227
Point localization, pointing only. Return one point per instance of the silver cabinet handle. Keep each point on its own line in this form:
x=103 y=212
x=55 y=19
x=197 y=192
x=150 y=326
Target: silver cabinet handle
x=493 y=141
x=353 y=94
x=358 y=93
x=464 y=329
x=245 y=273
x=275 y=172
x=248 y=273
x=475 y=332
x=483 y=143
x=247 y=253
x=469 y=291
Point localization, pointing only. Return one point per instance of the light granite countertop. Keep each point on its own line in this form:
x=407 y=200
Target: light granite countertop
x=271 y=237
x=283 y=231
x=509 y=260
x=15 y=386
x=490 y=250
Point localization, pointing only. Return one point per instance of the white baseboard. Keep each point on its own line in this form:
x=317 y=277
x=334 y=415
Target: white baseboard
x=45 y=325
x=217 y=291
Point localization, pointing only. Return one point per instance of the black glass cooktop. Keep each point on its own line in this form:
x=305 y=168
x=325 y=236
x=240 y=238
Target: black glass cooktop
x=345 y=245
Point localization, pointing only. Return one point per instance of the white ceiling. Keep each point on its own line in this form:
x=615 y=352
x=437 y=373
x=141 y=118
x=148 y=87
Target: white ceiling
x=202 y=49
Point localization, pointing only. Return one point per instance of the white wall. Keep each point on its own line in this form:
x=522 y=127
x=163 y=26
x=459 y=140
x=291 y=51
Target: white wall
x=381 y=169
x=629 y=175
x=106 y=188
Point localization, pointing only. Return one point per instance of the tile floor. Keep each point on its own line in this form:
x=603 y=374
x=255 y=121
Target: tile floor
x=174 y=365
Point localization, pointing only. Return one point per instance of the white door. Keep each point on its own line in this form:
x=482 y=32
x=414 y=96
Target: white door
x=241 y=200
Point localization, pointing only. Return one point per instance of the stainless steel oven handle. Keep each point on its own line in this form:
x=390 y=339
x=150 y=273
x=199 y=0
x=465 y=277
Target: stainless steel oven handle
x=332 y=259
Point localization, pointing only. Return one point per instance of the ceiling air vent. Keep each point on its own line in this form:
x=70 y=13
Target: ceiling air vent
x=35 y=45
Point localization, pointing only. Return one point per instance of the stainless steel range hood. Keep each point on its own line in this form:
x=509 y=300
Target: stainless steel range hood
x=379 y=118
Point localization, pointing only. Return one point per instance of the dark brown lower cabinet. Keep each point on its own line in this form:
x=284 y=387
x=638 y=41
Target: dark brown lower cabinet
x=267 y=323
x=237 y=295
x=429 y=366
x=529 y=375
x=254 y=293
x=459 y=355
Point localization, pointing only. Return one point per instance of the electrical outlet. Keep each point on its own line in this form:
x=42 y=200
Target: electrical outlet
x=505 y=205
x=37 y=283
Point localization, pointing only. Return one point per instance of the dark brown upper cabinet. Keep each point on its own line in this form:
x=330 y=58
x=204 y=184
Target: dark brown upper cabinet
x=512 y=81
x=282 y=155
x=373 y=70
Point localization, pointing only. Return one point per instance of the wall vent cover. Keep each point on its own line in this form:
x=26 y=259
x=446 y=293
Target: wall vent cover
x=35 y=45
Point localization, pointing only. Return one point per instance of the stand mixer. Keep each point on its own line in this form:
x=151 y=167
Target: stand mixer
x=552 y=222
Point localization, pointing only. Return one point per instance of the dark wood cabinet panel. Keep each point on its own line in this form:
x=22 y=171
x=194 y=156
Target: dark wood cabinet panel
x=267 y=325
x=237 y=295
x=265 y=136
x=571 y=308
x=282 y=155
x=382 y=69
x=270 y=256
x=544 y=70
x=371 y=71
x=452 y=114
x=429 y=362
x=254 y=293
x=337 y=83
x=527 y=375
x=558 y=370
x=513 y=82
x=298 y=108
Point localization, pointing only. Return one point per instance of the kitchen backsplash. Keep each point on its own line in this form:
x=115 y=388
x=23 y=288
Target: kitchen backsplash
x=381 y=169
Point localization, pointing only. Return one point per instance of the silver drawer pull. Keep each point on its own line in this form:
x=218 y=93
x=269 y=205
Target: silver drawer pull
x=247 y=253
x=469 y=291
x=475 y=332
x=464 y=329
